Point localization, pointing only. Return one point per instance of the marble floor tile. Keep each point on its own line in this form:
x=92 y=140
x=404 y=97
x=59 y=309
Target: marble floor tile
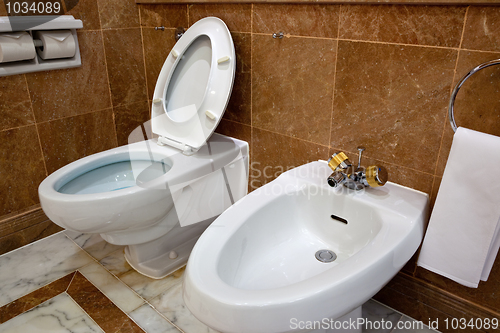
x=171 y=304
x=35 y=298
x=93 y=244
x=59 y=314
x=148 y=287
x=38 y=264
x=151 y=321
x=123 y=297
x=374 y=311
x=100 y=308
x=116 y=263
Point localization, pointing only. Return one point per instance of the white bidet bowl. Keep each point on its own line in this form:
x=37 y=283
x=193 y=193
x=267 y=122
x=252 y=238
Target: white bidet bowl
x=254 y=270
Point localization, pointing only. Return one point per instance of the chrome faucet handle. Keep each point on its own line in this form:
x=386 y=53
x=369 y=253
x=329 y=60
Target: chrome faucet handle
x=361 y=150
x=376 y=176
x=340 y=161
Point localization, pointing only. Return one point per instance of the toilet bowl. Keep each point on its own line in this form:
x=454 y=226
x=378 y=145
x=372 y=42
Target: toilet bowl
x=160 y=192
x=297 y=255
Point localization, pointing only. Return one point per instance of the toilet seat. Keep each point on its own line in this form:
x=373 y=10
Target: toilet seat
x=194 y=86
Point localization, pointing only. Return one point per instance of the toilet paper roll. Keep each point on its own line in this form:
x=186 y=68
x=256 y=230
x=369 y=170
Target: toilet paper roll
x=56 y=44
x=16 y=46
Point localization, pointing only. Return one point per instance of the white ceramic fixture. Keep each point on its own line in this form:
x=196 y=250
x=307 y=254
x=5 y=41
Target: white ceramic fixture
x=157 y=196
x=254 y=270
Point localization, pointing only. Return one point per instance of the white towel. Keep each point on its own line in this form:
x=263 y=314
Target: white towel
x=463 y=238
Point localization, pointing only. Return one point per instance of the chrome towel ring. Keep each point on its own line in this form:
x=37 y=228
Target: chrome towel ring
x=459 y=85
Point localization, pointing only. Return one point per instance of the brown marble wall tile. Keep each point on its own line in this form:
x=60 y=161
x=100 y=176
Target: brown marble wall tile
x=34 y=298
x=157 y=46
x=238 y=17
x=486 y=295
x=129 y=117
x=118 y=14
x=399 y=174
x=482 y=29
x=69 y=139
x=423 y=301
x=240 y=105
x=413 y=307
x=15 y=104
x=21 y=219
x=3 y=10
x=299 y=20
x=477 y=105
x=26 y=236
x=104 y=312
x=168 y=16
x=421 y=25
x=21 y=168
x=235 y=130
x=292 y=86
x=125 y=61
x=87 y=11
x=243 y=48
x=388 y=101
x=68 y=92
x=272 y=154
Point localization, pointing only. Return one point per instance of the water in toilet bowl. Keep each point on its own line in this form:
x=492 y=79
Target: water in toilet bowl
x=115 y=176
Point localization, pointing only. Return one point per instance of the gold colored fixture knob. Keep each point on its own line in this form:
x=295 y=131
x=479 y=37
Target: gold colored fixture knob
x=376 y=176
x=339 y=159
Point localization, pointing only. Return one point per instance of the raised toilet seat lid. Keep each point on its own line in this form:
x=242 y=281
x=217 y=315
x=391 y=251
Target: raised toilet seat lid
x=194 y=86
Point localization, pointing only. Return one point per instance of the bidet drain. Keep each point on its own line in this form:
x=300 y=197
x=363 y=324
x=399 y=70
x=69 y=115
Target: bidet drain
x=326 y=256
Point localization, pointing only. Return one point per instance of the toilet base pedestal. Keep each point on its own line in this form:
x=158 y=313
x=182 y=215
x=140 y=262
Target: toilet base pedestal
x=345 y=324
x=163 y=265
x=163 y=256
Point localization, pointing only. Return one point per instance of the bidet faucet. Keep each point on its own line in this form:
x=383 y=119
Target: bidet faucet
x=356 y=178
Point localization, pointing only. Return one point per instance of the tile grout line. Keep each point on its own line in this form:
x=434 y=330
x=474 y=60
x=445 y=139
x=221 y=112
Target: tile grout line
x=105 y=58
x=76 y=115
x=104 y=295
x=251 y=68
x=383 y=161
x=118 y=278
x=83 y=310
x=143 y=52
x=164 y=317
x=334 y=82
x=251 y=145
x=399 y=44
x=368 y=41
x=31 y=303
x=378 y=42
x=22 y=247
x=36 y=125
x=463 y=28
x=17 y=127
x=70 y=282
x=446 y=120
x=121 y=281
x=107 y=74
x=37 y=241
x=17 y=214
x=396 y=165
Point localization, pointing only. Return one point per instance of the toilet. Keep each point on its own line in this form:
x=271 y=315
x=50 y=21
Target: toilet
x=158 y=194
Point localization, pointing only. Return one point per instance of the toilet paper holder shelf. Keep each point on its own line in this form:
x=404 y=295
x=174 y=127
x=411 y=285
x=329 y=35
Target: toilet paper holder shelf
x=31 y=25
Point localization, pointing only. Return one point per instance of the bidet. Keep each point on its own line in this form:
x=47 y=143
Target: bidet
x=298 y=250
